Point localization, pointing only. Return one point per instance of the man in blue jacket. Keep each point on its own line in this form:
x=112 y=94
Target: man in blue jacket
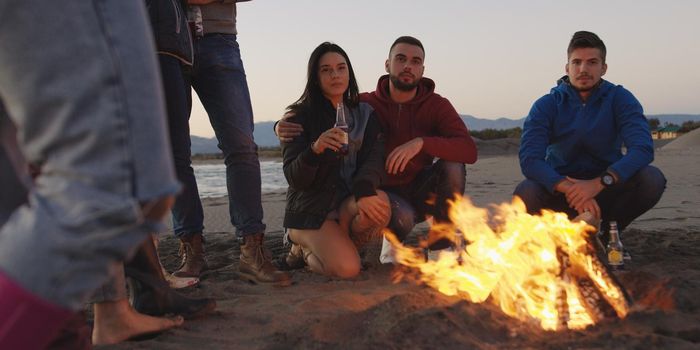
x=571 y=147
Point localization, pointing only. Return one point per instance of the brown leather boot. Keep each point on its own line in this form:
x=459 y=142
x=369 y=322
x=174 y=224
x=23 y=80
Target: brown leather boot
x=192 y=253
x=255 y=265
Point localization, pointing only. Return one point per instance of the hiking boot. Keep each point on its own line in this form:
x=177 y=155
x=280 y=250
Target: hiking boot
x=192 y=253
x=150 y=292
x=255 y=265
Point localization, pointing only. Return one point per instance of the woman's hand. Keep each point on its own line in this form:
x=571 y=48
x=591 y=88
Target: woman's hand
x=329 y=139
x=374 y=208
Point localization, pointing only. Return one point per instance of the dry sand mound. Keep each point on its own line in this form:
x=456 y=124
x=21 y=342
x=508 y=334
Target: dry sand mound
x=689 y=141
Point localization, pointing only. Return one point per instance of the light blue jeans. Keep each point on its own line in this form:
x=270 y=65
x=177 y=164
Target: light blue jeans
x=79 y=80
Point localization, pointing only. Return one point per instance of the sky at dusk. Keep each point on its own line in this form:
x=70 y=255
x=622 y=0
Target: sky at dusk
x=491 y=59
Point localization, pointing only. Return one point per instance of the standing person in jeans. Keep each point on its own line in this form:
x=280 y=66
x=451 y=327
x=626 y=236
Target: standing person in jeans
x=571 y=147
x=219 y=79
x=95 y=128
x=427 y=143
x=115 y=320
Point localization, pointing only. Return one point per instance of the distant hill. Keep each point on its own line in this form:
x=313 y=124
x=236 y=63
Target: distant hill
x=477 y=124
x=203 y=145
x=265 y=137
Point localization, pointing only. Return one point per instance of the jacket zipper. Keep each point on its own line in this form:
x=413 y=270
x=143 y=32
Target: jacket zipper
x=398 y=117
x=178 y=16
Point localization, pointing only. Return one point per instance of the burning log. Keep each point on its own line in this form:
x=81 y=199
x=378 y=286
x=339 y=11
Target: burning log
x=544 y=268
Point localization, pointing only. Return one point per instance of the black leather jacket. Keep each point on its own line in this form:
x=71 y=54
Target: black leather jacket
x=170 y=28
x=316 y=182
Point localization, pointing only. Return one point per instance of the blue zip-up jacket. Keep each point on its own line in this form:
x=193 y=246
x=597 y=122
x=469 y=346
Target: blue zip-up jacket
x=562 y=136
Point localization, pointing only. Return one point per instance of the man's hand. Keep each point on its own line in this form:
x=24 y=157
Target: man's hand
x=330 y=139
x=581 y=191
x=398 y=158
x=373 y=209
x=287 y=131
x=590 y=206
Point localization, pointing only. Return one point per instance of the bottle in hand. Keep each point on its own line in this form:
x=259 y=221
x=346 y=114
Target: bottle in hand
x=615 y=249
x=340 y=123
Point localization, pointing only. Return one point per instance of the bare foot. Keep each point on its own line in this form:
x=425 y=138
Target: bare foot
x=117 y=321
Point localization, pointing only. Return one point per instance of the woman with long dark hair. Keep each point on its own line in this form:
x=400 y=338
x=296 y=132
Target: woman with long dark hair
x=332 y=202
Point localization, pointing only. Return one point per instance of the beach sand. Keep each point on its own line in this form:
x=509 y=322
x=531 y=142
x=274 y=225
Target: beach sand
x=372 y=312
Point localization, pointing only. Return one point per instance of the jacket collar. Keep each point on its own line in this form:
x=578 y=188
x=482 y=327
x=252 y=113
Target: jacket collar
x=565 y=88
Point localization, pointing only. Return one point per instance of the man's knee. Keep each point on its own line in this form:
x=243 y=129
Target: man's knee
x=454 y=174
x=530 y=192
x=652 y=180
x=402 y=219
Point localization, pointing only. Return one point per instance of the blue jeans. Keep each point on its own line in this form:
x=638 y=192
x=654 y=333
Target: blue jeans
x=621 y=202
x=427 y=194
x=95 y=127
x=219 y=79
x=187 y=212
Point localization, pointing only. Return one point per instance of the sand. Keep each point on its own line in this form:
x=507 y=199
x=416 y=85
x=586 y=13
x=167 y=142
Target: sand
x=372 y=312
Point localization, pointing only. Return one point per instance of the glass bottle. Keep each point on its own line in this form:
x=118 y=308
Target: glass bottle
x=342 y=124
x=615 y=249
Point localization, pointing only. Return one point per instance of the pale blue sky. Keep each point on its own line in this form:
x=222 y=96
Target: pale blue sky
x=491 y=59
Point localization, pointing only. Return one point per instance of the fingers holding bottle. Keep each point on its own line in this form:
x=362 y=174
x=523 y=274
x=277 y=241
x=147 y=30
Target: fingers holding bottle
x=330 y=139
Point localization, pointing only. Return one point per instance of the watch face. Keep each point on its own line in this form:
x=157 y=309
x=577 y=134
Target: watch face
x=608 y=180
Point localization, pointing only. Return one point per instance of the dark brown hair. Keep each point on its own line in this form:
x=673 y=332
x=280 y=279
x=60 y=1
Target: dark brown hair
x=584 y=39
x=407 y=40
x=312 y=97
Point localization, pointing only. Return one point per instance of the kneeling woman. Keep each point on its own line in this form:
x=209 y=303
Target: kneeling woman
x=332 y=200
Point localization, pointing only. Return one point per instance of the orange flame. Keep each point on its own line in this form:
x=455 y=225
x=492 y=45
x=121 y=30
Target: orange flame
x=535 y=268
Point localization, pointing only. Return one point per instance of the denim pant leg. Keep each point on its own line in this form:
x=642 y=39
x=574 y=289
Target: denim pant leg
x=220 y=81
x=434 y=188
x=96 y=128
x=536 y=197
x=627 y=201
x=187 y=212
x=442 y=181
x=403 y=216
x=13 y=181
x=428 y=194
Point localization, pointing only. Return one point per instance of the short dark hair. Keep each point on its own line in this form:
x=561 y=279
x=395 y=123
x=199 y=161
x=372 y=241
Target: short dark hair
x=584 y=39
x=312 y=97
x=407 y=40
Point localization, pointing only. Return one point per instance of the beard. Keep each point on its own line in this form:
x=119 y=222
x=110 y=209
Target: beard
x=586 y=88
x=400 y=85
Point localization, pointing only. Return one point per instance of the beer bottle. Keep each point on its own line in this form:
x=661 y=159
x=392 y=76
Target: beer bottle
x=615 y=249
x=340 y=123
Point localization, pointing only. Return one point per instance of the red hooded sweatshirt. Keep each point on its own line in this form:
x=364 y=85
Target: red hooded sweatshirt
x=429 y=116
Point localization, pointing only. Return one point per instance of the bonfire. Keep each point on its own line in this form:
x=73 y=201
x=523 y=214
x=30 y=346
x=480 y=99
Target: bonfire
x=543 y=268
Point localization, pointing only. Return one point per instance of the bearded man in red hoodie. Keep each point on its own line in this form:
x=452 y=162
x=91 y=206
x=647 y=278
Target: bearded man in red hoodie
x=427 y=143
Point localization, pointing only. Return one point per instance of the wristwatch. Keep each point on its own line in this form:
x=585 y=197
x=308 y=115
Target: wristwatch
x=607 y=179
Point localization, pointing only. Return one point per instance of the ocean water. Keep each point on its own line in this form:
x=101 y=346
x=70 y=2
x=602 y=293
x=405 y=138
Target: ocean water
x=211 y=178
